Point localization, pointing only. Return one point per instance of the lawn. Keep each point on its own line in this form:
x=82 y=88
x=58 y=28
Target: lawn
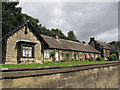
x=53 y=64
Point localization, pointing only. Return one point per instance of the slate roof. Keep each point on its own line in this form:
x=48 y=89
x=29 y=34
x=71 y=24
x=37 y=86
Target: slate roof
x=68 y=45
x=105 y=45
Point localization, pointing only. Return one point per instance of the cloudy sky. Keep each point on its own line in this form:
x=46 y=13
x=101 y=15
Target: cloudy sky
x=86 y=19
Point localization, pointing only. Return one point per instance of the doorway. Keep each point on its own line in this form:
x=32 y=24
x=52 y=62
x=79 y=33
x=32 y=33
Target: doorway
x=56 y=57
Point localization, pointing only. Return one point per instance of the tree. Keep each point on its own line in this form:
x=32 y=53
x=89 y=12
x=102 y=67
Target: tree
x=113 y=42
x=59 y=33
x=71 y=36
x=11 y=16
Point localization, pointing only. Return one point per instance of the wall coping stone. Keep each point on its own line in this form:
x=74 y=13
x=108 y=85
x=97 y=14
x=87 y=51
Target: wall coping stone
x=39 y=71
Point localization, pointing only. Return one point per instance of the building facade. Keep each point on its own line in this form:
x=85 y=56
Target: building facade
x=101 y=46
x=25 y=45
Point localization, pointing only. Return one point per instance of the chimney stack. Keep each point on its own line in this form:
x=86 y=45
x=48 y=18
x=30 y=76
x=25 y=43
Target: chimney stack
x=92 y=38
x=55 y=36
x=83 y=42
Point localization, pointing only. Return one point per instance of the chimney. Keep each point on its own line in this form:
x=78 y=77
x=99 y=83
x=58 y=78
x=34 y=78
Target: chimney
x=83 y=42
x=55 y=36
x=92 y=38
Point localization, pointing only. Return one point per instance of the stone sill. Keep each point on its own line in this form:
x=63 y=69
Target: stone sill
x=39 y=71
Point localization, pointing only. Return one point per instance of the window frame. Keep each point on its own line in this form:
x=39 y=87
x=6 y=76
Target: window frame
x=46 y=52
x=70 y=53
x=64 y=54
x=27 y=45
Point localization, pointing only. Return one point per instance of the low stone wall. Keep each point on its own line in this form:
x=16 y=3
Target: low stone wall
x=81 y=76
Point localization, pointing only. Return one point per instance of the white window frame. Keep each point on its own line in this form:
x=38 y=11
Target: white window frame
x=27 y=51
x=46 y=54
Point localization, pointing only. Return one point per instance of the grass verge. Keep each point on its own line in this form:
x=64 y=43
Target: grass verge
x=52 y=64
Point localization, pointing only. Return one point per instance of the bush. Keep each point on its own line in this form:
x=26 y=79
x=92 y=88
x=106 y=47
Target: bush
x=81 y=59
x=115 y=57
x=99 y=59
x=68 y=56
x=112 y=57
x=53 y=55
x=91 y=59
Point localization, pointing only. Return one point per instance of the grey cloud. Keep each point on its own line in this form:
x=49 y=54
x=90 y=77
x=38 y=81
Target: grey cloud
x=97 y=18
x=85 y=19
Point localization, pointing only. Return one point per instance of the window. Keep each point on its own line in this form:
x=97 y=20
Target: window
x=70 y=55
x=27 y=51
x=76 y=56
x=46 y=54
x=64 y=54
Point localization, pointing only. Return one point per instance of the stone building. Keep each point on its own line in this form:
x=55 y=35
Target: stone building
x=115 y=50
x=102 y=47
x=24 y=44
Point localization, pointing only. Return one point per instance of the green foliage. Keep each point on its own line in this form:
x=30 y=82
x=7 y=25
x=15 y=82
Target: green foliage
x=71 y=36
x=114 y=42
x=91 y=59
x=68 y=56
x=115 y=57
x=48 y=62
x=112 y=57
x=56 y=61
x=67 y=60
x=82 y=59
x=99 y=59
x=11 y=16
x=58 y=32
x=32 y=20
x=53 y=54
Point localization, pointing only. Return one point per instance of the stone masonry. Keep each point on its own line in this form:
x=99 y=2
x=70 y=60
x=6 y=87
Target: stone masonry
x=11 y=52
x=101 y=77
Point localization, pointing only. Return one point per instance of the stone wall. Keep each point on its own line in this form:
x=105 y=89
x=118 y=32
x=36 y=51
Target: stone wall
x=85 y=76
x=106 y=53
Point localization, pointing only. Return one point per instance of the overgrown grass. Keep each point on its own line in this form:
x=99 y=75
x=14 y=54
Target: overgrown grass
x=52 y=64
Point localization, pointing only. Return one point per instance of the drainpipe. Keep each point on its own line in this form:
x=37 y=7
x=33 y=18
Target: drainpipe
x=42 y=45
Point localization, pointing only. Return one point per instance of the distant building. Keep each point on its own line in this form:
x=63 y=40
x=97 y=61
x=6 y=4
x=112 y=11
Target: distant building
x=103 y=47
x=25 y=45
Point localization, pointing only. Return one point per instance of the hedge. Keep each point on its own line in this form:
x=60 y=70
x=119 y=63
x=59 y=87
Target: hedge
x=99 y=59
x=112 y=57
